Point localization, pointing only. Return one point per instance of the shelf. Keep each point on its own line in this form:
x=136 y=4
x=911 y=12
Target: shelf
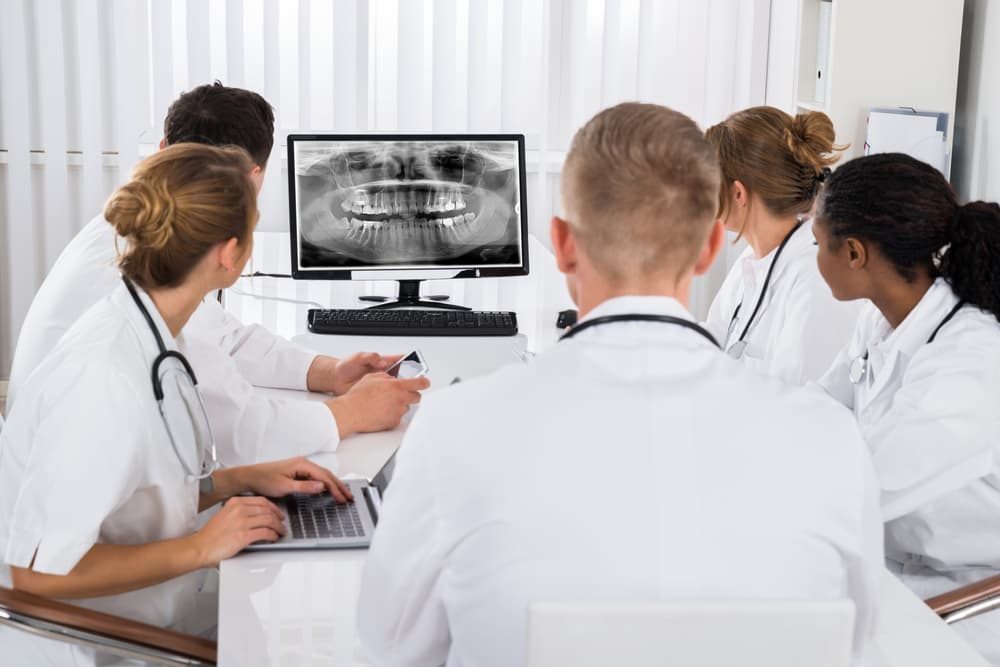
x=811 y=106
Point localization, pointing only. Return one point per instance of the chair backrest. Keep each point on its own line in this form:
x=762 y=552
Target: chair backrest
x=749 y=633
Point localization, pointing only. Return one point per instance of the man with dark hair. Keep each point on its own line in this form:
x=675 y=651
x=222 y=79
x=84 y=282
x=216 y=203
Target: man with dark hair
x=228 y=356
x=218 y=115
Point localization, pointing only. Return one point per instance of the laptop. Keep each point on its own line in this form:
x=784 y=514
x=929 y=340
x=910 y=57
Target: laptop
x=320 y=522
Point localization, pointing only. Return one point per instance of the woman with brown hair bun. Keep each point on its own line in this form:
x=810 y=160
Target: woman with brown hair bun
x=108 y=457
x=774 y=312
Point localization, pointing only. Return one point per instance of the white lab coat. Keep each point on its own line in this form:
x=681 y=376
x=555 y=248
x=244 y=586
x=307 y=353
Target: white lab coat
x=800 y=327
x=230 y=357
x=634 y=461
x=85 y=459
x=930 y=414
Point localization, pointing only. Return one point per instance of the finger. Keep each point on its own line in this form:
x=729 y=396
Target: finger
x=414 y=396
x=387 y=360
x=264 y=521
x=344 y=489
x=326 y=479
x=415 y=384
x=260 y=534
x=371 y=359
x=261 y=504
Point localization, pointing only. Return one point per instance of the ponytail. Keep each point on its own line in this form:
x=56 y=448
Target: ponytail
x=971 y=264
x=908 y=210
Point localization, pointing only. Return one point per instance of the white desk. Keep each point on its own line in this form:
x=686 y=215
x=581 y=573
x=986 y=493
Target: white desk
x=298 y=608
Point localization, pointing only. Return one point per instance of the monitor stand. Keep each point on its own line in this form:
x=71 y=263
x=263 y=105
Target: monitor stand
x=409 y=297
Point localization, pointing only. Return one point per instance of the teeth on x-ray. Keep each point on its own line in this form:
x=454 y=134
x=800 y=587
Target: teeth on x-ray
x=407 y=202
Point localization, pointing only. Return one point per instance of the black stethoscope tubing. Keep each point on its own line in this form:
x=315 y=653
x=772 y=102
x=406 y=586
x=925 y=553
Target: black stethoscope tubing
x=859 y=367
x=763 y=290
x=204 y=475
x=639 y=317
x=164 y=352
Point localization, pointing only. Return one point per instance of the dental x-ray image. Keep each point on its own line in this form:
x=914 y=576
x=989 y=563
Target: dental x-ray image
x=407 y=204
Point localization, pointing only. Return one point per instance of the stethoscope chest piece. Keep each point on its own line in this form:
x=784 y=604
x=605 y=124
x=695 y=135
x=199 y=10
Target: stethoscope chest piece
x=737 y=349
x=859 y=369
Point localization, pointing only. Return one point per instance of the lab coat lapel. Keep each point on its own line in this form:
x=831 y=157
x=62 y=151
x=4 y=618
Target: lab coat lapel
x=890 y=356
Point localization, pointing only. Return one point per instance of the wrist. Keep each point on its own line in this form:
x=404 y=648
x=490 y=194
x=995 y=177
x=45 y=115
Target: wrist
x=230 y=482
x=320 y=376
x=194 y=553
x=343 y=415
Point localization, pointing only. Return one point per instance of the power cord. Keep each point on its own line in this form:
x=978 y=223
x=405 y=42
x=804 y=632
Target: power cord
x=259 y=274
x=275 y=298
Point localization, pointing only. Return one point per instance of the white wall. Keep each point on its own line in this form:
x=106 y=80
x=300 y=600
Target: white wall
x=976 y=162
x=84 y=86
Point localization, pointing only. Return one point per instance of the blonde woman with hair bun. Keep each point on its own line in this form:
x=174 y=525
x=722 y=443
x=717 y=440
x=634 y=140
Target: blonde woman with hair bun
x=773 y=312
x=100 y=491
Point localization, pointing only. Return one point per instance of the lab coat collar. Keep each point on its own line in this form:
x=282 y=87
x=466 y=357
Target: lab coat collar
x=888 y=347
x=801 y=242
x=755 y=270
x=122 y=299
x=917 y=327
x=651 y=305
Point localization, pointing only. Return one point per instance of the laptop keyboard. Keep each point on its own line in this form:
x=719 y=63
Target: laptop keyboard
x=322 y=516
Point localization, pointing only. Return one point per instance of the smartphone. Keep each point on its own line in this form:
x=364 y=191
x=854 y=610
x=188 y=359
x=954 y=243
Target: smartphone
x=409 y=366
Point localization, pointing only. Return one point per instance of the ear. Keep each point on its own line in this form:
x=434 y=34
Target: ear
x=739 y=194
x=711 y=249
x=257 y=177
x=857 y=254
x=230 y=255
x=564 y=245
x=163 y=143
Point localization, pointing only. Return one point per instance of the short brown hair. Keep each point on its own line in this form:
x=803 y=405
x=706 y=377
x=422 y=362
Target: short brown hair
x=778 y=157
x=640 y=185
x=181 y=202
x=222 y=116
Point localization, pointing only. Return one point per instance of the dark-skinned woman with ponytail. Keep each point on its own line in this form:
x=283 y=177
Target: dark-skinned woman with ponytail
x=922 y=372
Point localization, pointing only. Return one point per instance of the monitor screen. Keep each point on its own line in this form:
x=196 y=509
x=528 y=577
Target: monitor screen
x=429 y=206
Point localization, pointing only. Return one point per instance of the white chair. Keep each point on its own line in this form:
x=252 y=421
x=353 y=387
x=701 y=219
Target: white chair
x=748 y=633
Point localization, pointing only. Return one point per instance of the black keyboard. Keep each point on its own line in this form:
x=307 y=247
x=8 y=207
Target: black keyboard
x=409 y=322
x=322 y=516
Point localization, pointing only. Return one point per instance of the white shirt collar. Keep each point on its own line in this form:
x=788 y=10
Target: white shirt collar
x=646 y=305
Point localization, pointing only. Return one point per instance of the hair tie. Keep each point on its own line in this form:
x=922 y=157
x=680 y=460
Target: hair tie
x=823 y=174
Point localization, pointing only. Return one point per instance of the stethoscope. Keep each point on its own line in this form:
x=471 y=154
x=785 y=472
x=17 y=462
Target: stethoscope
x=638 y=317
x=204 y=476
x=859 y=367
x=737 y=349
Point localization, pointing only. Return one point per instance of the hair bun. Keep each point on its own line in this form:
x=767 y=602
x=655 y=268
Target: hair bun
x=141 y=214
x=810 y=139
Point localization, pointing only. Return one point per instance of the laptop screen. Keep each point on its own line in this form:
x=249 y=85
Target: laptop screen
x=382 y=478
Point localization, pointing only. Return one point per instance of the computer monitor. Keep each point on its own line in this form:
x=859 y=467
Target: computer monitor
x=407 y=207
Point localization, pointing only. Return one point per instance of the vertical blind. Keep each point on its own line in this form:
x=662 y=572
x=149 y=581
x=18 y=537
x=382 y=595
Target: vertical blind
x=85 y=85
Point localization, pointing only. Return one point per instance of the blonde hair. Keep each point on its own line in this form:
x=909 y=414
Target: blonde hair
x=640 y=185
x=778 y=157
x=181 y=201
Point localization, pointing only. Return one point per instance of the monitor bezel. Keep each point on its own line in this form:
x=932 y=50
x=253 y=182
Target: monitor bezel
x=395 y=273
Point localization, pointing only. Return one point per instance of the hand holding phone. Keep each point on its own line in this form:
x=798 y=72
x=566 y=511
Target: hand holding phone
x=409 y=366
